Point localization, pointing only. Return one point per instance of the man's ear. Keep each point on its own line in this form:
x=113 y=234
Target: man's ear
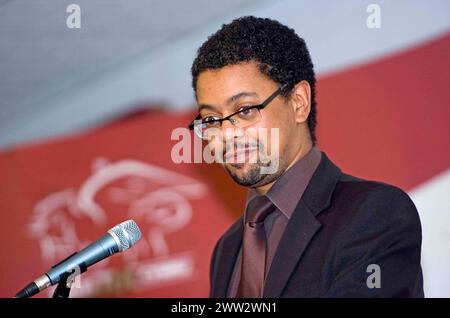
x=301 y=101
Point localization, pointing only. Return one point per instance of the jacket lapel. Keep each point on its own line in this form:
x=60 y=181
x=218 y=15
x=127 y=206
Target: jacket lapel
x=302 y=227
x=298 y=233
x=227 y=255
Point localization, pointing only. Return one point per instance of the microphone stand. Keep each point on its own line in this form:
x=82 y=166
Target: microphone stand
x=65 y=282
x=63 y=288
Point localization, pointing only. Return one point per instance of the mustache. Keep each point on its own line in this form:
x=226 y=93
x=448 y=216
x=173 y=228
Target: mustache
x=233 y=146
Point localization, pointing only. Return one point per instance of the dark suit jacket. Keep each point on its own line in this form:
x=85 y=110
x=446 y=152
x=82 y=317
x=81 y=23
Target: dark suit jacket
x=341 y=225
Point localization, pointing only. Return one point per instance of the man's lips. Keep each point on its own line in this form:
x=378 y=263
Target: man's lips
x=233 y=155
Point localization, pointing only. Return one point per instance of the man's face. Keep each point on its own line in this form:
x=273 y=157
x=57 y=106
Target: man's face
x=230 y=88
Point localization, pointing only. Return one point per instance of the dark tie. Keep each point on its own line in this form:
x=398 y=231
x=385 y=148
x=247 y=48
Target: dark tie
x=254 y=248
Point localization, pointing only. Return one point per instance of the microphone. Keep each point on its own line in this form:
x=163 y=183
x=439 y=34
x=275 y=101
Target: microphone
x=119 y=238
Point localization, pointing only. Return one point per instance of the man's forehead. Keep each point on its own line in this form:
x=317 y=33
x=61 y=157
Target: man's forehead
x=228 y=76
x=228 y=102
x=228 y=84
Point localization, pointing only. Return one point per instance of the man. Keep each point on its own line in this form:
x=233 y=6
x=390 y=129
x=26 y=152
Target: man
x=308 y=229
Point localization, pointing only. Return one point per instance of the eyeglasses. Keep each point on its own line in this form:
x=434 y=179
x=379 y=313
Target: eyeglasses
x=244 y=117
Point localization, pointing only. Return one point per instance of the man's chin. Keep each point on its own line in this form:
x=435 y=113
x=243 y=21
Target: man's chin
x=245 y=174
x=241 y=169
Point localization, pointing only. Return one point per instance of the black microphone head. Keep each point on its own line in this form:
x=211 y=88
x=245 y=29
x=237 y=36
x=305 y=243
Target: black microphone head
x=126 y=234
x=28 y=291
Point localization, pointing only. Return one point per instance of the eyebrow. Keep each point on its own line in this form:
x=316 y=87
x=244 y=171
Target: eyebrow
x=229 y=100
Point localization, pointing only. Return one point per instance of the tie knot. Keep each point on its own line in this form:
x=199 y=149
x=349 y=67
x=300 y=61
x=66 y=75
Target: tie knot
x=258 y=209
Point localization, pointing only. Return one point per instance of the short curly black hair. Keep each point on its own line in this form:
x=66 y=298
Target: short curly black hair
x=281 y=54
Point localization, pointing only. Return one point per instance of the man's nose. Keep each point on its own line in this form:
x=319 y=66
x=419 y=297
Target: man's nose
x=229 y=130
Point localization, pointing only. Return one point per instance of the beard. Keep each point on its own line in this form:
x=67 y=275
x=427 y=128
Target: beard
x=249 y=174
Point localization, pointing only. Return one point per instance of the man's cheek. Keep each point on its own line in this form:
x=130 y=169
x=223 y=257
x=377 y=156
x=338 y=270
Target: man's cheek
x=213 y=150
x=218 y=149
x=270 y=155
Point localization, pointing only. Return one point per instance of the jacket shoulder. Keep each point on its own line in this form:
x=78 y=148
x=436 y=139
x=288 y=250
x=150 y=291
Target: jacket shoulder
x=375 y=202
x=361 y=190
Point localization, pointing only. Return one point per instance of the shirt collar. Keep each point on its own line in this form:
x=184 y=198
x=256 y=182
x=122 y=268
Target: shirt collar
x=288 y=189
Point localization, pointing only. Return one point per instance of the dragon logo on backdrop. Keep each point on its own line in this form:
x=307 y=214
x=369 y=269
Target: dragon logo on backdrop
x=156 y=198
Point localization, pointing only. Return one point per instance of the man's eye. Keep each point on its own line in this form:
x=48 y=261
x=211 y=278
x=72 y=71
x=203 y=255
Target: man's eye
x=210 y=121
x=247 y=111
